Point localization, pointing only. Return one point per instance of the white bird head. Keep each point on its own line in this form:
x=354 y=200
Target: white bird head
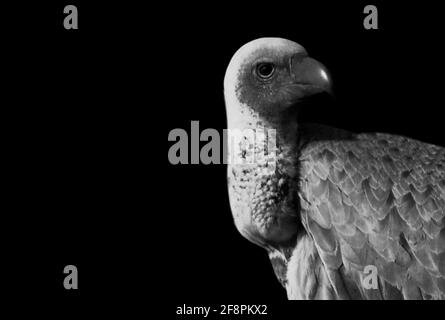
x=268 y=76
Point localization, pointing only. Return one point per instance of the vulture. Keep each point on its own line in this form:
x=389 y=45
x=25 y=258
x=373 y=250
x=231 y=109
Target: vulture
x=342 y=215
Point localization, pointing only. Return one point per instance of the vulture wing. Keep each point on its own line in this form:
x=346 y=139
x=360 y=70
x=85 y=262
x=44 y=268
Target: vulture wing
x=376 y=200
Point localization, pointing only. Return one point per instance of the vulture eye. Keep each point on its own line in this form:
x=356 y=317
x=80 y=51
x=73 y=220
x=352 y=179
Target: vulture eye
x=265 y=70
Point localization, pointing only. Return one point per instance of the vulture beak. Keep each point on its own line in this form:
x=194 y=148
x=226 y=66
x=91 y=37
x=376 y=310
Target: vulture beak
x=309 y=75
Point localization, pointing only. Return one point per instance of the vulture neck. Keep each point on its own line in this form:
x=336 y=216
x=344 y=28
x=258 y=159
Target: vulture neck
x=242 y=117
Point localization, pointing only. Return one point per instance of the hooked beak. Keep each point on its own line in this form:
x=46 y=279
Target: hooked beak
x=310 y=75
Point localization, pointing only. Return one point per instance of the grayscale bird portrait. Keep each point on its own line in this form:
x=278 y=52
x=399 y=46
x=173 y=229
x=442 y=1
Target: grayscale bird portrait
x=241 y=160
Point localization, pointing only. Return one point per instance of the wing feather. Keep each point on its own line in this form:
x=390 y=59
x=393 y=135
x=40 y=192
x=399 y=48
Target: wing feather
x=377 y=199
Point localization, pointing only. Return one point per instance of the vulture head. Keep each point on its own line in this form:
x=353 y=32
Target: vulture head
x=267 y=78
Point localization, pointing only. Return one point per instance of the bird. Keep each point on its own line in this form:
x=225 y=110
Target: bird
x=333 y=207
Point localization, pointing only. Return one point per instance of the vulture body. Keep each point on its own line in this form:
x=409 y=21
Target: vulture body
x=335 y=203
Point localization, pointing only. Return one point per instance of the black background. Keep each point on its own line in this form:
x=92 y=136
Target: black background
x=137 y=226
